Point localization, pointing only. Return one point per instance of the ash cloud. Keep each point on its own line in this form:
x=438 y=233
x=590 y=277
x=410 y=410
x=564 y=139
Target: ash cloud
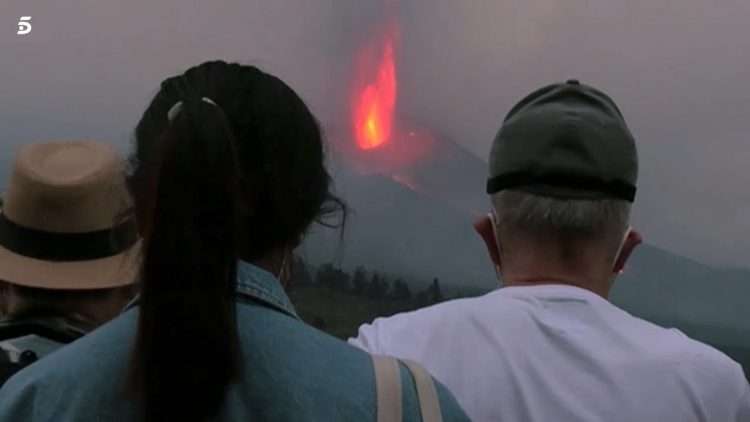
x=678 y=70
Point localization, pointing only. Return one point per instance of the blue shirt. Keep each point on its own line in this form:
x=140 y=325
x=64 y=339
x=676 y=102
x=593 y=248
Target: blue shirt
x=294 y=372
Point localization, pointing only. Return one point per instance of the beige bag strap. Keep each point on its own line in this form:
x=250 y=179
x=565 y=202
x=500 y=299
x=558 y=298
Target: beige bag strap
x=388 y=388
x=429 y=404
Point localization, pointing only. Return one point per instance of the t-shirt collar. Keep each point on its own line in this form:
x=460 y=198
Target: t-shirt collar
x=551 y=290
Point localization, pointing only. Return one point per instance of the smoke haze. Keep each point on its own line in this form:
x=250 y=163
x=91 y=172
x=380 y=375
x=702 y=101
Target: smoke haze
x=678 y=69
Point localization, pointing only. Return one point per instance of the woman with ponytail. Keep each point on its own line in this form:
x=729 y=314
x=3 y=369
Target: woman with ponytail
x=227 y=175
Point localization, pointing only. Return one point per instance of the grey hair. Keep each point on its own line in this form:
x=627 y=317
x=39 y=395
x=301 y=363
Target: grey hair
x=546 y=217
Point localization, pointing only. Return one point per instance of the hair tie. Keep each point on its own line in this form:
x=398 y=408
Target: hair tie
x=177 y=107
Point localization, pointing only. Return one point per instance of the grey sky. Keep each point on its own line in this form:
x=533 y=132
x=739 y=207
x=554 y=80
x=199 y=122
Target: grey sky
x=679 y=69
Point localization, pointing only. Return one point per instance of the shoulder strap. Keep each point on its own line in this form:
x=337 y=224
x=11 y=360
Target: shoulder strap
x=429 y=404
x=388 y=388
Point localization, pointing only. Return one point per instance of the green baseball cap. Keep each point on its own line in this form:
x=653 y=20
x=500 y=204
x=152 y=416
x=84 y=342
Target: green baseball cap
x=568 y=141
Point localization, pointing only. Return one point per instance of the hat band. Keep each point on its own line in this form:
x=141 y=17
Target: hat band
x=613 y=188
x=48 y=246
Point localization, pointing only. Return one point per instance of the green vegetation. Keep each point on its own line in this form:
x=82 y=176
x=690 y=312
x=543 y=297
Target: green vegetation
x=338 y=302
x=340 y=313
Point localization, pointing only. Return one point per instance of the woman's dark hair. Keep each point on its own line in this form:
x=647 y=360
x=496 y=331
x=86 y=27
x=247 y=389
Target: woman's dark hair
x=236 y=173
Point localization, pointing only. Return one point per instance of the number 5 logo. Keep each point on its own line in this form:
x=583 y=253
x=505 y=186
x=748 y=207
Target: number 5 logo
x=24 y=25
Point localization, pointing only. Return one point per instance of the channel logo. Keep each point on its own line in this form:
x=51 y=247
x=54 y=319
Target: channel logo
x=24 y=25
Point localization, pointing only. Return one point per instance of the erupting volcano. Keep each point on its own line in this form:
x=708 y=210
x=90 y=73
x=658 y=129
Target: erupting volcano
x=382 y=143
x=413 y=191
x=375 y=99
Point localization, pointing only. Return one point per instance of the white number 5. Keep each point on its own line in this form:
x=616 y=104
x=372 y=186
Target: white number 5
x=24 y=25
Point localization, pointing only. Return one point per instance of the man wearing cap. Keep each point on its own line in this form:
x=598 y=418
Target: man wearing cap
x=67 y=254
x=549 y=346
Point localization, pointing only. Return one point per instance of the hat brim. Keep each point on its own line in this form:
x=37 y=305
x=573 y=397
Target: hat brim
x=115 y=271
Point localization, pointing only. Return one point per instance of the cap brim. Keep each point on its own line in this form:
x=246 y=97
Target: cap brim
x=116 y=271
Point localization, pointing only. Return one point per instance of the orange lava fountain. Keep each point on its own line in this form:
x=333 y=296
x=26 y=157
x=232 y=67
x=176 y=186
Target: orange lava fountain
x=375 y=102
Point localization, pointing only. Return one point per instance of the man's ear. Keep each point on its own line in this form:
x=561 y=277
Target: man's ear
x=486 y=230
x=632 y=240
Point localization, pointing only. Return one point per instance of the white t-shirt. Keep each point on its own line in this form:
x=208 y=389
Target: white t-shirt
x=556 y=353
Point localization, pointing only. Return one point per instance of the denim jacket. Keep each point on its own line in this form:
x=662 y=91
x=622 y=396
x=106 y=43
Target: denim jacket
x=293 y=371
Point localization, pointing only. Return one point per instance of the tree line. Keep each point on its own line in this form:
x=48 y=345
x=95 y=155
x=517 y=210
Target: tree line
x=371 y=284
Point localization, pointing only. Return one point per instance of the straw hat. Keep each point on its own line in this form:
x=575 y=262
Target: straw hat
x=59 y=225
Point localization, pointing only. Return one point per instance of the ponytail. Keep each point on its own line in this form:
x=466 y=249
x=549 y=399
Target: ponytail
x=187 y=309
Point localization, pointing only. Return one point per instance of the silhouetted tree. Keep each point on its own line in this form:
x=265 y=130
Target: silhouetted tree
x=422 y=299
x=401 y=290
x=301 y=272
x=436 y=294
x=431 y=295
x=359 y=280
x=324 y=276
x=333 y=277
x=378 y=287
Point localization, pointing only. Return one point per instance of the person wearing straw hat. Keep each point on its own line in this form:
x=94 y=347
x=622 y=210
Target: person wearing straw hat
x=228 y=173
x=66 y=251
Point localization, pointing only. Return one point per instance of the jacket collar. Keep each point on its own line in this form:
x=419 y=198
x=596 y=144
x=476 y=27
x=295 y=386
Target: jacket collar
x=256 y=284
